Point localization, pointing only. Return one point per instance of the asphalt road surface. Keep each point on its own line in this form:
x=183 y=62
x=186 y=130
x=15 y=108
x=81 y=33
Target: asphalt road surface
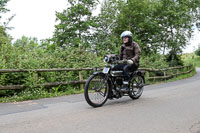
x=164 y=108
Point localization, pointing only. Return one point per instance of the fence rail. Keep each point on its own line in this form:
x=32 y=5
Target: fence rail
x=45 y=70
x=189 y=69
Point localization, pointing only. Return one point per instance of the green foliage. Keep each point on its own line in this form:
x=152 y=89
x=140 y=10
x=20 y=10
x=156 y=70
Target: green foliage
x=2 y=6
x=174 y=59
x=197 y=52
x=4 y=37
x=26 y=53
x=75 y=24
x=191 y=59
x=179 y=77
x=154 y=61
x=36 y=94
x=158 y=24
x=104 y=40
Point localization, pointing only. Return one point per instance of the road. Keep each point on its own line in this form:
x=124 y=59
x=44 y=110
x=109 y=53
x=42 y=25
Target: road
x=164 y=108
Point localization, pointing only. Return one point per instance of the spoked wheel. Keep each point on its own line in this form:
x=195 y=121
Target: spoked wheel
x=136 y=87
x=96 y=90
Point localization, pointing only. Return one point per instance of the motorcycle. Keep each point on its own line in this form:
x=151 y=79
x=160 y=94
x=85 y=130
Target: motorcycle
x=107 y=84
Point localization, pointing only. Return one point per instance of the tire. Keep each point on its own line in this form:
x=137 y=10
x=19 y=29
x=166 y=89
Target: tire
x=136 y=87
x=96 y=86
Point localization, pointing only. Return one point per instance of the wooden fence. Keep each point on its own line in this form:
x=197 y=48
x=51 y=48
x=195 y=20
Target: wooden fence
x=167 y=73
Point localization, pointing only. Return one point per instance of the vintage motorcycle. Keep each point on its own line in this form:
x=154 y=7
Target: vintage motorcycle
x=107 y=84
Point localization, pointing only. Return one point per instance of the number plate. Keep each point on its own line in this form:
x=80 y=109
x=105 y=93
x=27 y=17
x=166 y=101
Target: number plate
x=106 y=70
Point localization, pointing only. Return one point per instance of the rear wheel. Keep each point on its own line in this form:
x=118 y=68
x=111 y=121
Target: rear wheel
x=96 y=90
x=136 y=87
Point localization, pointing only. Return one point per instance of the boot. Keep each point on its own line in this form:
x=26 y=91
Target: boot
x=125 y=86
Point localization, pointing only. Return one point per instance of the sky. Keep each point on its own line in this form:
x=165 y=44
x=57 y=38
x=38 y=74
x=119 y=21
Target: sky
x=36 y=18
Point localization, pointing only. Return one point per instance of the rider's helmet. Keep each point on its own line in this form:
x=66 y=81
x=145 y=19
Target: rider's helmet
x=127 y=34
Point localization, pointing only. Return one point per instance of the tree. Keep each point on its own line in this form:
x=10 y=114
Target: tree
x=177 y=21
x=26 y=43
x=159 y=24
x=4 y=37
x=104 y=40
x=75 y=24
x=2 y=7
x=198 y=25
x=138 y=17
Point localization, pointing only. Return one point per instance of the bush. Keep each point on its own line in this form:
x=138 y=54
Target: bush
x=153 y=61
x=197 y=52
x=174 y=59
x=28 y=54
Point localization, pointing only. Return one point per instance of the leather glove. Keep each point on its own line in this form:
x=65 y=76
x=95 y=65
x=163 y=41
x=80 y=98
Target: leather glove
x=129 y=62
x=122 y=62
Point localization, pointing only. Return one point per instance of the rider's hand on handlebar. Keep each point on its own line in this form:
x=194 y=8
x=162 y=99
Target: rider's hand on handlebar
x=122 y=62
x=129 y=62
x=125 y=62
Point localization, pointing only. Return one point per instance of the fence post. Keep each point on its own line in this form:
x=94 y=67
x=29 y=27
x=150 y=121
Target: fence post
x=81 y=78
x=147 y=75
x=193 y=66
x=165 y=75
x=177 y=72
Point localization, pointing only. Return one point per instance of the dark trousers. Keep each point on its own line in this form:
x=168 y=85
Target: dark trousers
x=126 y=69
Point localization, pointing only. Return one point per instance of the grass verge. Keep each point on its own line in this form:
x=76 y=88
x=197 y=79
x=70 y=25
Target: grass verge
x=38 y=94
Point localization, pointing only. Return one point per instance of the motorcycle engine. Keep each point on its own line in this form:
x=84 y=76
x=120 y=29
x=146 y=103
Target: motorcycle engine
x=119 y=81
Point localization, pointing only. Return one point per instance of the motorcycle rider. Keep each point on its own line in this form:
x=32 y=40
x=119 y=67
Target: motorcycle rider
x=129 y=56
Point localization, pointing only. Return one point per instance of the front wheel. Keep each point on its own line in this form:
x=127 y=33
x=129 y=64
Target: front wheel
x=136 y=87
x=96 y=90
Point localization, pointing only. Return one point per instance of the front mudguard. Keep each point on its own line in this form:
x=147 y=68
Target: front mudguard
x=110 y=84
x=101 y=73
x=98 y=73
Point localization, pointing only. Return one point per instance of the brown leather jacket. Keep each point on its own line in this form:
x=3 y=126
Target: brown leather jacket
x=131 y=51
